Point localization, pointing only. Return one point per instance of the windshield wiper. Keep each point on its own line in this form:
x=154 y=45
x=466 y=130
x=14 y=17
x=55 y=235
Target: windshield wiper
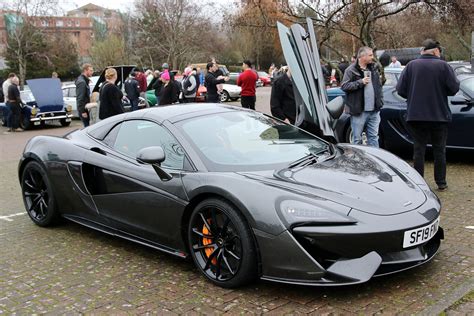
x=314 y=157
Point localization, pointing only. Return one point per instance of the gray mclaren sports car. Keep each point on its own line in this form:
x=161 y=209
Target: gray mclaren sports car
x=243 y=194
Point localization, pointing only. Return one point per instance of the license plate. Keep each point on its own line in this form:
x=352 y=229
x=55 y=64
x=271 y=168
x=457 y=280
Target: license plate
x=420 y=235
x=36 y=123
x=68 y=120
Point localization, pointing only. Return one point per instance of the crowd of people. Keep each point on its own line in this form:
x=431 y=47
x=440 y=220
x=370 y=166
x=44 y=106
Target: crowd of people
x=425 y=82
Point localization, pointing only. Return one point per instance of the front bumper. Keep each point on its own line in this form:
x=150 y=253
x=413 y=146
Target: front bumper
x=42 y=117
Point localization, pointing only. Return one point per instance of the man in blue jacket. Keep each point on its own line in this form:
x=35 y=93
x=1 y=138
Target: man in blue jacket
x=426 y=83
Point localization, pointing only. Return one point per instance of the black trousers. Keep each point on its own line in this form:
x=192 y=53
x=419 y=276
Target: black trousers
x=422 y=133
x=14 y=117
x=213 y=98
x=248 y=102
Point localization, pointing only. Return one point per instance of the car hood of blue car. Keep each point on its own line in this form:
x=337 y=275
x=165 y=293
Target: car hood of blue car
x=47 y=92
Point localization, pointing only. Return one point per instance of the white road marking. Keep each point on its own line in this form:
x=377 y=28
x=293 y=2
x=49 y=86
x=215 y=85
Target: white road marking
x=470 y=227
x=8 y=217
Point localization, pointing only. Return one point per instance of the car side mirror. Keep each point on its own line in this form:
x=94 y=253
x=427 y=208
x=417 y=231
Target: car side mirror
x=154 y=156
x=335 y=107
x=459 y=99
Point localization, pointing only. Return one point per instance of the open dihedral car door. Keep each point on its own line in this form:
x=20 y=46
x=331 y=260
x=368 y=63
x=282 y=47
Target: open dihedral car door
x=302 y=56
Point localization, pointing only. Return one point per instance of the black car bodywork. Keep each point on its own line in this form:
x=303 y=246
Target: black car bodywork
x=243 y=194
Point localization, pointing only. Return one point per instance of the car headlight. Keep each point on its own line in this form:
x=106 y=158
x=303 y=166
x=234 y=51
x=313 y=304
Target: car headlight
x=294 y=212
x=34 y=111
x=68 y=108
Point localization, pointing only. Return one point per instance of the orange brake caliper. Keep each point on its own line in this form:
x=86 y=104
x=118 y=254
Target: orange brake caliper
x=207 y=241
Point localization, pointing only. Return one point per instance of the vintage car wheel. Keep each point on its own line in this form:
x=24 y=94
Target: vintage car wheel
x=224 y=96
x=64 y=123
x=38 y=195
x=24 y=122
x=221 y=244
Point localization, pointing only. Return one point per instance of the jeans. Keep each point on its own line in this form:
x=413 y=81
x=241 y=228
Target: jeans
x=85 y=120
x=369 y=121
x=422 y=133
x=7 y=115
x=134 y=104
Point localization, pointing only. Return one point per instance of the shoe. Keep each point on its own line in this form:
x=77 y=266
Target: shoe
x=18 y=130
x=9 y=130
x=442 y=187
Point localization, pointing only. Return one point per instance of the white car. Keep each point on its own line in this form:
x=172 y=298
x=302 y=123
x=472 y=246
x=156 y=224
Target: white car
x=230 y=92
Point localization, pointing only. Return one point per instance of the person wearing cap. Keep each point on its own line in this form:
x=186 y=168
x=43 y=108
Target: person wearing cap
x=247 y=80
x=167 y=91
x=364 y=97
x=426 y=83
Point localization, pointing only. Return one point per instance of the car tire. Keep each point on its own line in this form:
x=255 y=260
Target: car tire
x=221 y=244
x=64 y=123
x=25 y=123
x=38 y=195
x=224 y=96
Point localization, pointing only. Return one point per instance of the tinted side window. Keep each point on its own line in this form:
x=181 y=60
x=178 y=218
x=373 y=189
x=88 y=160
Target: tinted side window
x=138 y=134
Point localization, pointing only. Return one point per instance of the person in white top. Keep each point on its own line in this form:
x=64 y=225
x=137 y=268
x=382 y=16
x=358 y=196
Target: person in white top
x=395 y=63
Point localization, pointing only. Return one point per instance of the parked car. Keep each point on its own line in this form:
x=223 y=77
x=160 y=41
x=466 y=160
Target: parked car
x=230 y=92
x=43 y=103
x=264 y=77
x=233 y=76
x=393 y=131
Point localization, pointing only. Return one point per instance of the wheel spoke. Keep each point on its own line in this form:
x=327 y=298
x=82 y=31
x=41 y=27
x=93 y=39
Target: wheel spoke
x=31 y=186
x=227 y=264
x=197 y=248
x=209 y=259
x=36 y=194
x=196 y=231
x=232 y=254
x=34 y=203
x=43 y=203
x=218 y=264
x=206 y=223
x=226 y=224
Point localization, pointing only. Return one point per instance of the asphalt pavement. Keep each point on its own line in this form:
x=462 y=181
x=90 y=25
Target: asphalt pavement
x=72 y=269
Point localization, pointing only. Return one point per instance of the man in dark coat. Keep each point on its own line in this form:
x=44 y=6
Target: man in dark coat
x=364 y=98
x=83 y=93
x=282 y=99
x=426 y=83
x=14 y=103
x=211 y=81
x=132 y=88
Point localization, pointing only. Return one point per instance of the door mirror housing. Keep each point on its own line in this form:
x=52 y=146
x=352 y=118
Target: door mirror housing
x=335 y=107
x=459 y=99
x=154 y=156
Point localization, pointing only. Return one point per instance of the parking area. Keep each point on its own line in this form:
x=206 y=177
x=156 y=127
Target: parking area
x=72 y=269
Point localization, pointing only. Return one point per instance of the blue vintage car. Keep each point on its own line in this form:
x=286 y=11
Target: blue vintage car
x=393 y=132
x=43 y=102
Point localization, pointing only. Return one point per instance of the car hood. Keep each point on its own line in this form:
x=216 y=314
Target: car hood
x=302 y=56
x=355 y=178
x=47 y=92
x=122 y=74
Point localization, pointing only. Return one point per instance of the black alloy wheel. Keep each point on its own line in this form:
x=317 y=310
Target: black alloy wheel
x=37 y=195
x=222 y=244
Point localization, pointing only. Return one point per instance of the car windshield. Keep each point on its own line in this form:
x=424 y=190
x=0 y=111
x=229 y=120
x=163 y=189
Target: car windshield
x=262 y=74
x=244 y=141
x=468 y=86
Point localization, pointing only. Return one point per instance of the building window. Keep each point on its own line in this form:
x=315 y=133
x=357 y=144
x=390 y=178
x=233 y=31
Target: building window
x=69 y=23
x=59 y=23
x=78 y=23
x=44 y=23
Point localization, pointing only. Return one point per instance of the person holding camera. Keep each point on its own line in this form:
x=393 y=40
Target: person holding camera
x=364 y=98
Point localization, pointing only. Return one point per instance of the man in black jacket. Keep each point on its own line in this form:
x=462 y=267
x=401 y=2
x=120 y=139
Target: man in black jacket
x=282 y=99
x=364 y=99
x=211 y=81
x=426 y=83
x=132 y=88
x=83 y=93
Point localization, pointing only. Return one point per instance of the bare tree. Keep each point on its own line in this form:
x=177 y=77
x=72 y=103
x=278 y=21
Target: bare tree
x=108 y=52
x=25 y=39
